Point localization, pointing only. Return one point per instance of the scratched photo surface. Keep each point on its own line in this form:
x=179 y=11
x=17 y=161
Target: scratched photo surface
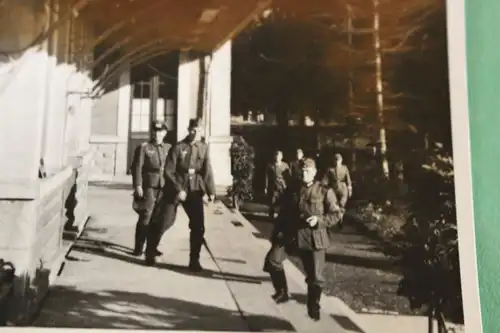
x=249 y=165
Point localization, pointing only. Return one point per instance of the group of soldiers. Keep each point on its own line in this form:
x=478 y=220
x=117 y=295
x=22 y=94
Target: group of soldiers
x=164 y=177
x=304 y=208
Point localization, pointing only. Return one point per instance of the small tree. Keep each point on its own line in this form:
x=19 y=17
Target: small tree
x=430 y=260
x=242 y=169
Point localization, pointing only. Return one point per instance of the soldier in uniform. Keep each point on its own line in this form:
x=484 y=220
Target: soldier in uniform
x=277 y=178
x=303 y=224
x=148 y=180
x=339 y=179
x=296 y=168
x=189 y=173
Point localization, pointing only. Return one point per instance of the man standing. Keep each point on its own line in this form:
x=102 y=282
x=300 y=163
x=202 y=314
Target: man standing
x=277 y=179
x=148 y=180
x=189 y=177
x=303 y=222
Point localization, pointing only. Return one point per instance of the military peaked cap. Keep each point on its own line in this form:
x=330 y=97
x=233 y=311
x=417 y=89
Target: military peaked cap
x=309 y=163
x=158 y=125
x=194 y=122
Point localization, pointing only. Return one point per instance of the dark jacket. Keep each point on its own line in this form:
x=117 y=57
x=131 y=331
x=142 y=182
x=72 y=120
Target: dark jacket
x=184 y=158
x=148 y=165
x=337 y=178
x=298 y=205
x=296 y=172
x=277 y=177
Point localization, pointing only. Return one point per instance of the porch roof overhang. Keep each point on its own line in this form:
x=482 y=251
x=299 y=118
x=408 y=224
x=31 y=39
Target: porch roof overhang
x=199 y=25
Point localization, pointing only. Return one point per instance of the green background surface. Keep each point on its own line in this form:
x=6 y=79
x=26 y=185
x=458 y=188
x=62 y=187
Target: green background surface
x=483 y=70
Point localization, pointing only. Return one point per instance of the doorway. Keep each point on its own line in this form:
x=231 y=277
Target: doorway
x=152 y=98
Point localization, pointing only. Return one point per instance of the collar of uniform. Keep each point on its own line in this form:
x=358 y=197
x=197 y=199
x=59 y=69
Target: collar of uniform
x=155 y=144
x=190 y=143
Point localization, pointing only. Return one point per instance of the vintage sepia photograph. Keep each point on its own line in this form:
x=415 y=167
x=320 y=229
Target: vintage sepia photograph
x=237 y=166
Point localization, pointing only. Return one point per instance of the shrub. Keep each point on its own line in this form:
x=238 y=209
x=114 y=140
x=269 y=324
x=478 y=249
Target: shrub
x=430 y=261
x=242 y=170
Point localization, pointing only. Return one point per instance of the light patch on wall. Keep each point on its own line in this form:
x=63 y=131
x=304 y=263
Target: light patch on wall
x=208 y=15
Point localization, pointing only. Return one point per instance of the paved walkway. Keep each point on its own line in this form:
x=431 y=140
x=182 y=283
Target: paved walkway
x=103 y=286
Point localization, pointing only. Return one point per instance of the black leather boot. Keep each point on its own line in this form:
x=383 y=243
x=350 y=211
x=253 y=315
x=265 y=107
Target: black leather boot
x=140 y=239
x=313 y=300
x=282 y=290
x=150 y=260
x=194 y=266
x=273 y=282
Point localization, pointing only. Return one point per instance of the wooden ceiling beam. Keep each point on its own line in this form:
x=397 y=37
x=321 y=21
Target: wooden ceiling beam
x=121 y=28
x=259 y=8
x=132 y=59
x=126 y=24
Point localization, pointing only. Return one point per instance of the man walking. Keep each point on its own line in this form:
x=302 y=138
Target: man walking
x=189 y=177
x=277 y=179
x=339 y=179
x=303 y=223
x=296 y=168
x=148 y=180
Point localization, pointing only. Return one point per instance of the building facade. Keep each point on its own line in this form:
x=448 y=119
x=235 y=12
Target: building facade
x=57 y=133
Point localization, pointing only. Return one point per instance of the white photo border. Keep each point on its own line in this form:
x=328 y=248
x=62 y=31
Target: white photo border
x=456 y=32
x=459 y=104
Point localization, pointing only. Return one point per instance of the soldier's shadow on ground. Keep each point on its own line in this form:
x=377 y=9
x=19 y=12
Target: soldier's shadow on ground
x=113 y=309
x=117 y=252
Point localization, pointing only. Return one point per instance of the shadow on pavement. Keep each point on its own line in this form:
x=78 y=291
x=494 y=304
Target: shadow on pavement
x=117 y=252
x=343 y=321
x=213 y=274
x=112 y=309
x=111 y=186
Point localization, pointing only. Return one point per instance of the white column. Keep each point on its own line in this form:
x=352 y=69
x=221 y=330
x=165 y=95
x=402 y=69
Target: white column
x=219 y=115
x=187 y=91
x=123 y=121
x=55 y=125
x=24 y=86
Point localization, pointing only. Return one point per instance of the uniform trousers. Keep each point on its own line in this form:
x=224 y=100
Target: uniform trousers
x=342 y=194
x=165 y=217
x=312 y=260
x=151 y=196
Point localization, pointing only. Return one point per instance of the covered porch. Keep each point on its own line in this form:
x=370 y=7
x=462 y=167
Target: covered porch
x=67 y=110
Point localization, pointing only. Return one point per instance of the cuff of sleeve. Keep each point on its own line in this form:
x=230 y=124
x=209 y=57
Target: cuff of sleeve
x=321 y=222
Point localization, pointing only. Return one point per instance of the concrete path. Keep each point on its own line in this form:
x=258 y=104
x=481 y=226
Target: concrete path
x=103 y=286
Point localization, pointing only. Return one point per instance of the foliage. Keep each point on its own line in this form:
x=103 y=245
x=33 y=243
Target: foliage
x=430 y=260
x=242 y=170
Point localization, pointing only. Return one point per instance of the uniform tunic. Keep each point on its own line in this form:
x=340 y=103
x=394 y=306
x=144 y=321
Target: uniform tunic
x=296 y=172
x=292 y=232
x=147 y=173
x=277 y=176
x=277 y=180
x=339 y=179
x=188 y=169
